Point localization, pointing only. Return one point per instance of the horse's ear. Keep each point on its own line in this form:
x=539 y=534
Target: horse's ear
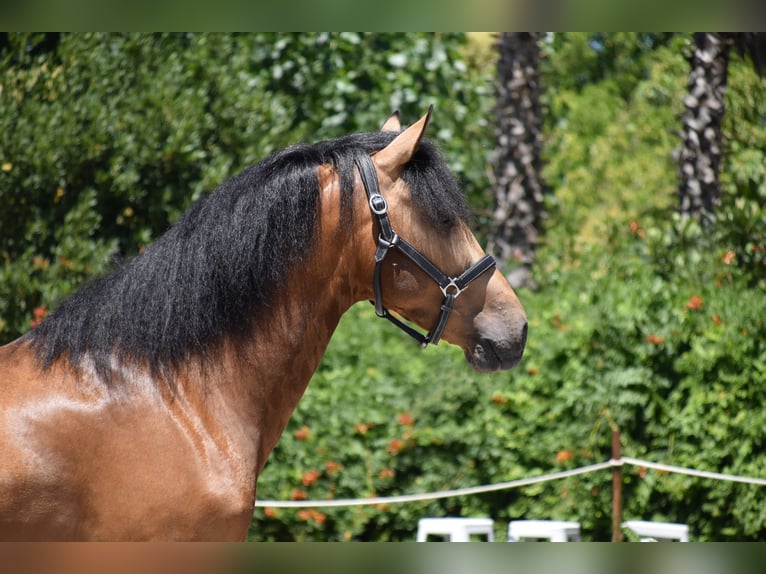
x=392 y=123
x=392 y=158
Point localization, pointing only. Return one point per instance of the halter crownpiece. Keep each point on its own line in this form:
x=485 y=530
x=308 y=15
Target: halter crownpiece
x=451 y=287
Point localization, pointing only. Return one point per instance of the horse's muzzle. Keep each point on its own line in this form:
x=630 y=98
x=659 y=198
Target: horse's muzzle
x=489 y=355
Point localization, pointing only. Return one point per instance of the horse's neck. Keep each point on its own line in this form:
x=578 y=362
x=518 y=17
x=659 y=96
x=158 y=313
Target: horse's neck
x=268 y=374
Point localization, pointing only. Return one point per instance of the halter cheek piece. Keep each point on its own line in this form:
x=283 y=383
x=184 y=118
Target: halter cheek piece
x=451 y=287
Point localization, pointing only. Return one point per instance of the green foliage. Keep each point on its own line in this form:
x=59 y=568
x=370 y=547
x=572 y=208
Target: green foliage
x=579 y=60
x=742 y=223
x=608 y=155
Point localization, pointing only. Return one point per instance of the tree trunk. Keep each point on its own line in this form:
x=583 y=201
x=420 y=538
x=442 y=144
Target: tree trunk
x=699 y=158
x=519 y=191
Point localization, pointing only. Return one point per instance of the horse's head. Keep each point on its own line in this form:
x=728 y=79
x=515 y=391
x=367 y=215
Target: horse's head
x=429 y=267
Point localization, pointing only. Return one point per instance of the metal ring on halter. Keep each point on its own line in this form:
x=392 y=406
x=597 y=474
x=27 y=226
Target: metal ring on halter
x=445 y=290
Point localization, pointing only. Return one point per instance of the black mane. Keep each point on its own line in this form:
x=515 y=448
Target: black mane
x=206 y=278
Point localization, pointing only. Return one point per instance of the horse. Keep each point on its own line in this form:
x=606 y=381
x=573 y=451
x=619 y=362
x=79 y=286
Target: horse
x=145 y=405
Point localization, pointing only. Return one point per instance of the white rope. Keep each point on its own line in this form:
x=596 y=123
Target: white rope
x=430 y=495
x=693 y=472
x=505 y=485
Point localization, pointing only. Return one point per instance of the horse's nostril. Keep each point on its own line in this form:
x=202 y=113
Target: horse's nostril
x=524 y=335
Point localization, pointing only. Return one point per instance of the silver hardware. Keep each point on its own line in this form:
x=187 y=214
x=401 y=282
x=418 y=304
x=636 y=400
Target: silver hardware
x=378 y=204
x=445 y=290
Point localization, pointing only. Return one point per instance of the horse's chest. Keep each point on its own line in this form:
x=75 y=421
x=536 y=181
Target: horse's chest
x=175 y=480
x=128 y=474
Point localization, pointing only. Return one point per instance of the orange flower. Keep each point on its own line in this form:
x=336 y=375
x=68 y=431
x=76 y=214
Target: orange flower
x=563 y=456
x=269 y=512
x=332 y=467
x=310 y=477
x=39 y=314
x=406 y=419
x=304 y=515
x=312 y=514
x=728 y=257
x=499 y=399
x=635 y=229
x=395 y=446
x=302 y=433
x=695 y=303
x=299 y=494
x=40 y=262
x=318 y=517
x=387 y=473
x=655 y=339
x=362 y=428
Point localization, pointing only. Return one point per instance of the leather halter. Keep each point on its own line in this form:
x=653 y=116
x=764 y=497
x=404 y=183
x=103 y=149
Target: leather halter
x=451 y=287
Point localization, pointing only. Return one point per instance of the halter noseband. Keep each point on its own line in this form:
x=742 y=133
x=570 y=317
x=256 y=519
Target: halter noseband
x=451 y=287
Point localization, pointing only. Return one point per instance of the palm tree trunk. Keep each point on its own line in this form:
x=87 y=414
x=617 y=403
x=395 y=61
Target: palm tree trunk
x=699 y=158
x=519 y=209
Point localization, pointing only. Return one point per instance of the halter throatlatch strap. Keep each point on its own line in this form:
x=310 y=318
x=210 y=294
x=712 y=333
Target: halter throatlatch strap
x=451 y=287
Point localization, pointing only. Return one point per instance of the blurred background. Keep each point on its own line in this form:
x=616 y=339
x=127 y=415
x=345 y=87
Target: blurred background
x=619 y=177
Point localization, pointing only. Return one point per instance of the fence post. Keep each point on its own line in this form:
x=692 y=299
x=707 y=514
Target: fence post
x=616 y=488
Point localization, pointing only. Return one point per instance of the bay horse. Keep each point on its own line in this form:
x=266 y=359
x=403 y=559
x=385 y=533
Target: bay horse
x=145 y=406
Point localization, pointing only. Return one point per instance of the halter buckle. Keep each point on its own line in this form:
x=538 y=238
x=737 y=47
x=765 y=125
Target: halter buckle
x=378 y=204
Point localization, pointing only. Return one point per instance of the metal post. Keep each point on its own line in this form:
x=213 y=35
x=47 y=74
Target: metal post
x=616 y=488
